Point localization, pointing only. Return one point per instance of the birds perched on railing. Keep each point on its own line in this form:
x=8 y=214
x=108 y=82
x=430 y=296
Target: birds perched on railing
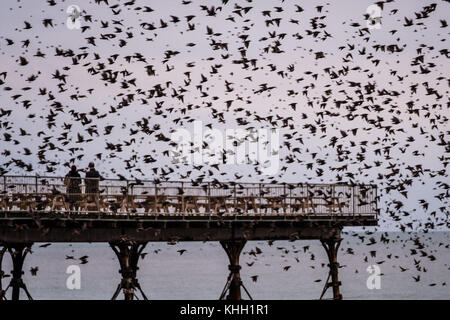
x=55 y=191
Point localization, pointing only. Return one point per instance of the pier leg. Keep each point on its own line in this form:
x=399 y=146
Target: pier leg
x=233 y=249
x=2 y=292
x=128 y=253
x=18 y=253
x=331 y=246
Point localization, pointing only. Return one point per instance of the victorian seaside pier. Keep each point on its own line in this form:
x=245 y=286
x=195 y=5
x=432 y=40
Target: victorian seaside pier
x=128 y=214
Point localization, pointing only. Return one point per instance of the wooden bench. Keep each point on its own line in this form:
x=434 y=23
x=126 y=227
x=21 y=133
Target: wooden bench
x=246 y=203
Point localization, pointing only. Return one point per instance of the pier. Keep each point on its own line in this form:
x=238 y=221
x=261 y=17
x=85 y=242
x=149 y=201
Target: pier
x=128 y=214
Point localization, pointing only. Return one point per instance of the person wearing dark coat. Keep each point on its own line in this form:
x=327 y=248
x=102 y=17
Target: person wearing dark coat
x=73 y=184
x=91 y=182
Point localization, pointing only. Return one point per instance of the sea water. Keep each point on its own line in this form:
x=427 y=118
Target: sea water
x=202 y=270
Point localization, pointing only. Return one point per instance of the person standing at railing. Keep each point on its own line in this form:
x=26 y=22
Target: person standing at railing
x=73 y=186
x=92 y=181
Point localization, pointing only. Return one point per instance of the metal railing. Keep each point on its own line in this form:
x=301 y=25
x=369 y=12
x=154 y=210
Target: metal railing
x=118 y=196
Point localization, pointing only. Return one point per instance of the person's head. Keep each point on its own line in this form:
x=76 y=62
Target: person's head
x=73 y=168
x=91 y=165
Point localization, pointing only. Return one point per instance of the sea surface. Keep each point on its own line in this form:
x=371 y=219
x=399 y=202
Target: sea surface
x=202 y=270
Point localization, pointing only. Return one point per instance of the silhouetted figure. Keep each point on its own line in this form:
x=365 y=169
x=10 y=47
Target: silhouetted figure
x=73 y=184
x=91 y=181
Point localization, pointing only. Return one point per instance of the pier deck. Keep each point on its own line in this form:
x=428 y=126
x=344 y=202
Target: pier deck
x=60 y=227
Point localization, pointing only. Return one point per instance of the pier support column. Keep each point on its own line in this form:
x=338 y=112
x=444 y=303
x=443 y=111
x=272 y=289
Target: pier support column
x=18 y=252
x=331 y=246
x=234 y=283
x=2 y=252
x=128 y=253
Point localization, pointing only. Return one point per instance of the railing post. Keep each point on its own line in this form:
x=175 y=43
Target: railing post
x=36 y=185
x=156 y=198
x=332 y=199
x=353 y=199
x=309 y=201
x=260 y=199
x=126 y=198
x=284 y=197
x=290 y=200
x=376 y=201
x=182 y=198
x=209 y=197
x=235 y=199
